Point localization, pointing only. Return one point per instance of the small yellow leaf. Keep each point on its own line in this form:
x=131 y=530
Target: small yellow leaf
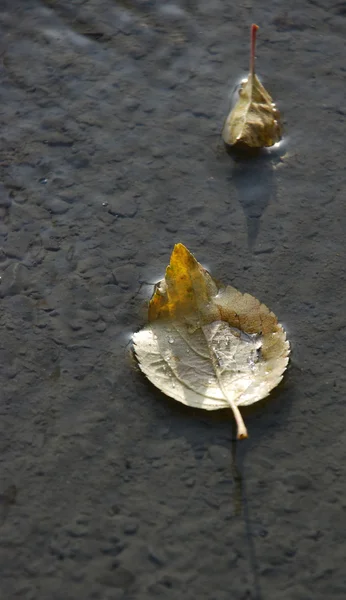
x=208 y=346
x=254 y=122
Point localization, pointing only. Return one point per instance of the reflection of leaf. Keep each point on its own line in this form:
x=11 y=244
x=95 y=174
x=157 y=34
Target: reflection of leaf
x=207 y=346
x=254 y=121
x=256 y=187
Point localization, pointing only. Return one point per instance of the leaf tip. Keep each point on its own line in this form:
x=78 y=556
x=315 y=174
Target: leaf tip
x=179 y=246
x=180 y=250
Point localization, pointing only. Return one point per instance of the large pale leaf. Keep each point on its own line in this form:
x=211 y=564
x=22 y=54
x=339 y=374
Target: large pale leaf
x=254 y=122
x=208 y=347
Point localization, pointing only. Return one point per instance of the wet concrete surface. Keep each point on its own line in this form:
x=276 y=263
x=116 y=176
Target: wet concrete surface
x=111 y=119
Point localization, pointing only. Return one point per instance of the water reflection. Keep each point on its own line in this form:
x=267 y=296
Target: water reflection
x=241 y=505
x=255 y=182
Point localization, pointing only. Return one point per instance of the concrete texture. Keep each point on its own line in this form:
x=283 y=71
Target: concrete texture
x=111 y=114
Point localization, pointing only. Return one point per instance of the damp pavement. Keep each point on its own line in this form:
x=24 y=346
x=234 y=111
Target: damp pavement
x=111 y=115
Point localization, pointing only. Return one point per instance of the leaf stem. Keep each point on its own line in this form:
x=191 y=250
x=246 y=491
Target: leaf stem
x=241 y=429
x=253 y=48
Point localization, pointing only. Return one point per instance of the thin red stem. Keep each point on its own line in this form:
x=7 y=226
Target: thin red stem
x=253 y=48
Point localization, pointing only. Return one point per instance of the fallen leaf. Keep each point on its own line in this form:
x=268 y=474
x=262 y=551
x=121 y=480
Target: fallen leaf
x=254 y=122
x=209 y=346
